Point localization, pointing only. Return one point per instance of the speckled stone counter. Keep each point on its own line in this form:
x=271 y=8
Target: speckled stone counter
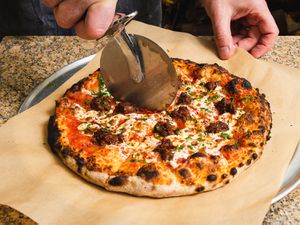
x=27 y=61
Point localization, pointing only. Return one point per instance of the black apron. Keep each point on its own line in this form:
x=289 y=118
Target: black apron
x=31 y=17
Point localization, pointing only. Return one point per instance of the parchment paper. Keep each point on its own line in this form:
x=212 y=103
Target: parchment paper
x=35 y=182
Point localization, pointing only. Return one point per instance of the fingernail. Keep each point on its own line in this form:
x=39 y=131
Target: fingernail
x=225 y=52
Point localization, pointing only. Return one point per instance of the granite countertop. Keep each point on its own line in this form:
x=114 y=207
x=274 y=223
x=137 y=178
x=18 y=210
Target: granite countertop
x=27 y=61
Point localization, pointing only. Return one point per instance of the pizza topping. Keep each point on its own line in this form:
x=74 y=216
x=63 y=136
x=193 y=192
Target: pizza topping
x=211 y=177
x=211 y=85
x=103 y=137
x=217 y=127
x=182 y=113
x=148 y=172
x=101 y=103
x=184 y=99
x=166 y=150
x=224 y=106
x=118 y=181
x=125 y=108
x=163 y=128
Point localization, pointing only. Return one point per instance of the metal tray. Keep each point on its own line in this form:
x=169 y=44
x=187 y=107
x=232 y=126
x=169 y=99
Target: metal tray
x=292 y=176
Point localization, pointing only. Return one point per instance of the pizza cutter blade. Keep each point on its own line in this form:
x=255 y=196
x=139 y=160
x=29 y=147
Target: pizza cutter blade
x=137 y=70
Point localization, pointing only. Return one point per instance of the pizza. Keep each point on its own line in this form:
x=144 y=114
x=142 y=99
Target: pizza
x=215 y=128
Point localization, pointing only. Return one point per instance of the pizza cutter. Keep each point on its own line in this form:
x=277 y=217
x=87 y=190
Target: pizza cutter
x=136 y=69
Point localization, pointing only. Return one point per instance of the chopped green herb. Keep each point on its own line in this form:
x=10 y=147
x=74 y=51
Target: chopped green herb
x=213 y=98
x=180 y=147
x=144 y=160
x=144 y=119
x=225 y=135
x=134 y=160
x=247 y=98
x=205 y=109
x=191 y=147
x=200 y=139
x=188 y=137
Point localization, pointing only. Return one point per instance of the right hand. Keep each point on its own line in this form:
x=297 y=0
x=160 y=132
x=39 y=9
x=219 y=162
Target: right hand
x=90 y=18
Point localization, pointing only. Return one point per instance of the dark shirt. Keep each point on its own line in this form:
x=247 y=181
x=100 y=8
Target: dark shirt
x=31 y=17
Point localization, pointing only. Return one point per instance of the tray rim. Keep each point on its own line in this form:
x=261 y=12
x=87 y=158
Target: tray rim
x=29 y=102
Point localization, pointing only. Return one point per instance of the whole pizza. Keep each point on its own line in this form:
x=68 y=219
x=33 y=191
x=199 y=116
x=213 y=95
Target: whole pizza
x=216 y=128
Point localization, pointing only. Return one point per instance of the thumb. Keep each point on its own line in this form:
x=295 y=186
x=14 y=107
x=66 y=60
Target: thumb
x=98 y=18
x=223 y=37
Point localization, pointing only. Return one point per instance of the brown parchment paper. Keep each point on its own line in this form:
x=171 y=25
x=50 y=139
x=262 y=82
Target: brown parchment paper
x=35 y=182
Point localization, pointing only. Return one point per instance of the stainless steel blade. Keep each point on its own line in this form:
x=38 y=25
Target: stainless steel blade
x=144 y=75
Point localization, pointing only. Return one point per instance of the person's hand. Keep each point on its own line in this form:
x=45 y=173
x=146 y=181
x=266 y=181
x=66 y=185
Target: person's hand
x=90 y=18
x=256 y=32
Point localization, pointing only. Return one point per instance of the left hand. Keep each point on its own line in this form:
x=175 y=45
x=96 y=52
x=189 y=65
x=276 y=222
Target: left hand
x=257 y=29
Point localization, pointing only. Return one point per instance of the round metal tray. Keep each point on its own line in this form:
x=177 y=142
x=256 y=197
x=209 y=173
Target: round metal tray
x=292 y=176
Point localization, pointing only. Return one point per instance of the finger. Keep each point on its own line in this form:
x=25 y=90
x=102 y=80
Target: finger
x=249 y=41
x=269 y=31
x=51 y=3
x=237 y=38
x=98 y=18
x=223 y=38
x=69 y=12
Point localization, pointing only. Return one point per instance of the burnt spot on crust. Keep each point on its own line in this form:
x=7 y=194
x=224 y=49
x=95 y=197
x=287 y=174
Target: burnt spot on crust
x=103 y=137
x=148 y=172
x=211 y=85
x=217 y=127
x=184 y=98
x=65 y=152
x=166 y=150
x=198 y=154
x=118 y=181
x=224 y=106
x=254 y=156
x=101 y=103
x=182 y=113
x=80 y=163
x=163 y=128
x=233 y=171
x=125 y=108
x=231 y=86
x=76 y=87
x=184 y=173
x=246 y=84
x=248 y=162
x=211 y=177
x=229 y=148
x=53 y=135
x=200 y=189
x=224 y=175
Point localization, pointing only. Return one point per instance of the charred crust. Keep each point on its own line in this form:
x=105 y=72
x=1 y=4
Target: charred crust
x=224 y=106
x=65 y=152
x=198 y=154
x=199 y=165
x=246 y=84
x=200 y=189
x=118 y=181
x=252 y=145
x=76 y=87
x=54 y=135
x=217 y=127
x=184 y=173
x=80 y=163
x=211 y=177
x=233 y=171
x=229 y=148
x=248 y=162
x=241 y=164
x=163 y=128
x=224 y=176
x=254 y=156
x=148 y=172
